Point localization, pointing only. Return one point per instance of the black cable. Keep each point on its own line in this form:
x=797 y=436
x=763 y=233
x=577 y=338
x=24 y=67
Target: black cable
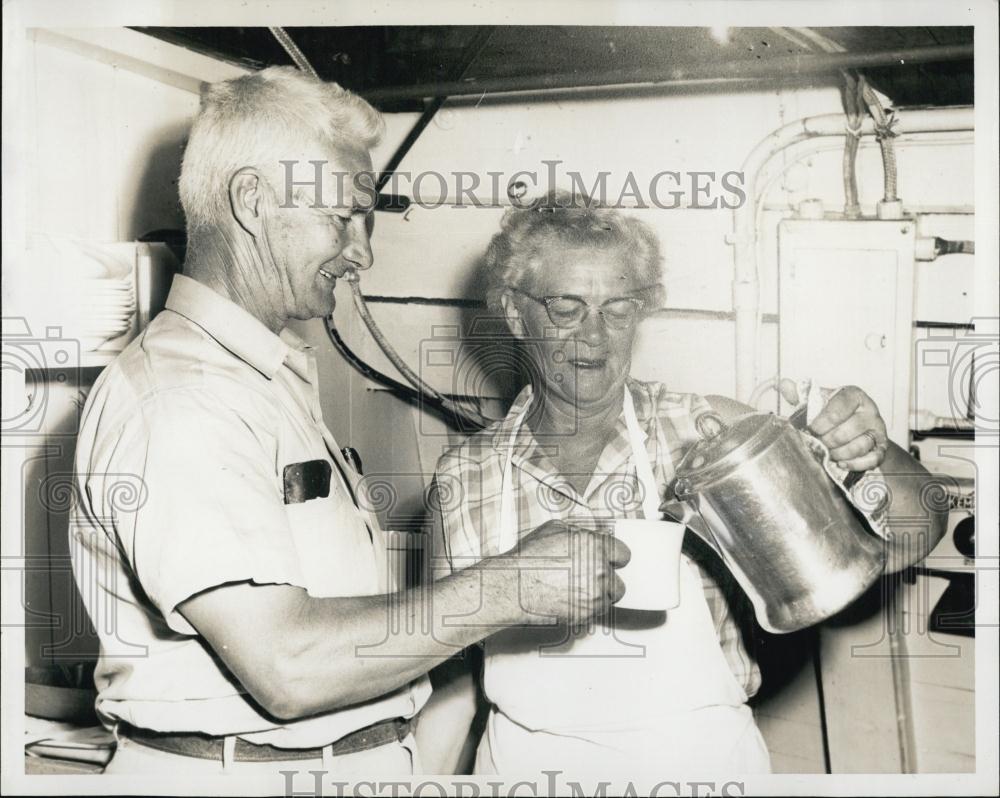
x=405 y=391
x=399 y=389
x=943 y=246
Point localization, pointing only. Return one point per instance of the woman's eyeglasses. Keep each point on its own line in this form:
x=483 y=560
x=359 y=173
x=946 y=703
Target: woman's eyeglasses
x=569 y=311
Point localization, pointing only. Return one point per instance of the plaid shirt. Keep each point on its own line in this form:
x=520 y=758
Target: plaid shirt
x=469 y=476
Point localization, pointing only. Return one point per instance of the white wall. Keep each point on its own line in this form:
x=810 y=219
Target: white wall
x=101 y=155
x=106 y=148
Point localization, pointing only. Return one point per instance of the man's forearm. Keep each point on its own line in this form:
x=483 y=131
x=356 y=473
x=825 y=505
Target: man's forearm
x=341 y=651
x=300 y=655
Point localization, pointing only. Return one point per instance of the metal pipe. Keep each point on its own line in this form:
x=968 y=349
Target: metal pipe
x=702 y=74
x=746 y=286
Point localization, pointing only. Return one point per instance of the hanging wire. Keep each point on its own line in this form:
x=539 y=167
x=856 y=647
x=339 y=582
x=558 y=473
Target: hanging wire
x=855 y=115
x=884 y=133
x=472 y=417
x=297 y=56
x=858 y=96
x=448 y=407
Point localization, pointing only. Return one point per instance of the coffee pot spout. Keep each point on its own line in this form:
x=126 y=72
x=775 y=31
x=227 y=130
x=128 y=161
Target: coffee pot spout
x=684 y=513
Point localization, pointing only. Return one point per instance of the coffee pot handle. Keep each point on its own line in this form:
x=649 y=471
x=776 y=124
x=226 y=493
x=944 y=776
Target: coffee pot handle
x=709 y=425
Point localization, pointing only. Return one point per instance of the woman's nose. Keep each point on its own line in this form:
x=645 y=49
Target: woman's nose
x=593 y=328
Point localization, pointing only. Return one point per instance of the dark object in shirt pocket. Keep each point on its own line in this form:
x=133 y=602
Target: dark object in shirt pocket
x=307 y=480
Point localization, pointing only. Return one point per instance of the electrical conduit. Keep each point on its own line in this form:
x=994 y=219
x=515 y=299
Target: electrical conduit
x=746 y=283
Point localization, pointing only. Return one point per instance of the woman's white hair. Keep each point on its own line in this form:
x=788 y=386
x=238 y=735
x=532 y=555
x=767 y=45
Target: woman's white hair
x=519 y=252
x=257 y=120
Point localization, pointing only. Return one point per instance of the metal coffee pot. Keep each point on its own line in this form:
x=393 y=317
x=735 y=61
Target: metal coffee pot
x=757 y=495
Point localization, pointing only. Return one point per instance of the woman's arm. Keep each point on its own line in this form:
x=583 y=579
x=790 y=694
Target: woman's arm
x=918 y=509
x=444 y=723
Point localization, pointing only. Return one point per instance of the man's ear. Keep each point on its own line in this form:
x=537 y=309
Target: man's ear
x=512 y=314
x=246 y=198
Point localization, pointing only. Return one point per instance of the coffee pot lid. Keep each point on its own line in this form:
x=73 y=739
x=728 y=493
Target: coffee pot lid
x=724 y=446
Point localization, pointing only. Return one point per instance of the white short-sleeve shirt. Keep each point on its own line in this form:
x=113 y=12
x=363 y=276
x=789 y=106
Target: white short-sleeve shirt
x=180 y=480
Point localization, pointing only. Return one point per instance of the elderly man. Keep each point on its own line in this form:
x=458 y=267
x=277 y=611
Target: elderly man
x=237 y=596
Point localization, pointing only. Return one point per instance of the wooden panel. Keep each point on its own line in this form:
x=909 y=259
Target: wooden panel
x=935 y=658
x=858 y=691
x=126 y=49
x=796 y=746
x=787 y=708
x=944 y=728
x=942 y=684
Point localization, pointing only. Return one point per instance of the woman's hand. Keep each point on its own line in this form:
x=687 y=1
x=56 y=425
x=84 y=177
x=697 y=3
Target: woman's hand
x=850 y=426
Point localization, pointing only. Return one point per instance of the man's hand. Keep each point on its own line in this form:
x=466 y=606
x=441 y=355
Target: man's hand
x=567 y=572
x=850 y=426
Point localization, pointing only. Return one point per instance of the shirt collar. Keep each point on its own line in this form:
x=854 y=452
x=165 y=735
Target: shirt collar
x=530 y=455
x=300 y=358
x=641 y=398
x=501 y=437
x=236 y=330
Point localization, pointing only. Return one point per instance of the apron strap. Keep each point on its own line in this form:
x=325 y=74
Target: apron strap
x=643 y=469
x=507 y=521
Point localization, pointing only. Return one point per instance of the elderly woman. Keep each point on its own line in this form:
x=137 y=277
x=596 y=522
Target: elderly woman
x=634 y=691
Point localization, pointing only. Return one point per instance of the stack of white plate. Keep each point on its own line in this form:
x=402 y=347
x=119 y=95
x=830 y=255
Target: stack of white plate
x=105 y=310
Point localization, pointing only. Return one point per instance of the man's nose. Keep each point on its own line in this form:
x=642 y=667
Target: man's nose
x=358 y=251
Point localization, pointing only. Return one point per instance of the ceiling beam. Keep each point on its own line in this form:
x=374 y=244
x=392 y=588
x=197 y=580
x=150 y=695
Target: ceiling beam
x=142 y=54
x=703 y=74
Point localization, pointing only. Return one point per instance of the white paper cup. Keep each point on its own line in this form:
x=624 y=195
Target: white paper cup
x=652 y=576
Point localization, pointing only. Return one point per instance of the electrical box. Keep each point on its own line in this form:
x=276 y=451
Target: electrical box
x=845 y=297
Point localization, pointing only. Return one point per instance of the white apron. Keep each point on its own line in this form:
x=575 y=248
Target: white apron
x=639 y=692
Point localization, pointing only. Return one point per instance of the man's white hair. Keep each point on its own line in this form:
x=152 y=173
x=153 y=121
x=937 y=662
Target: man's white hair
x=257 y=120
